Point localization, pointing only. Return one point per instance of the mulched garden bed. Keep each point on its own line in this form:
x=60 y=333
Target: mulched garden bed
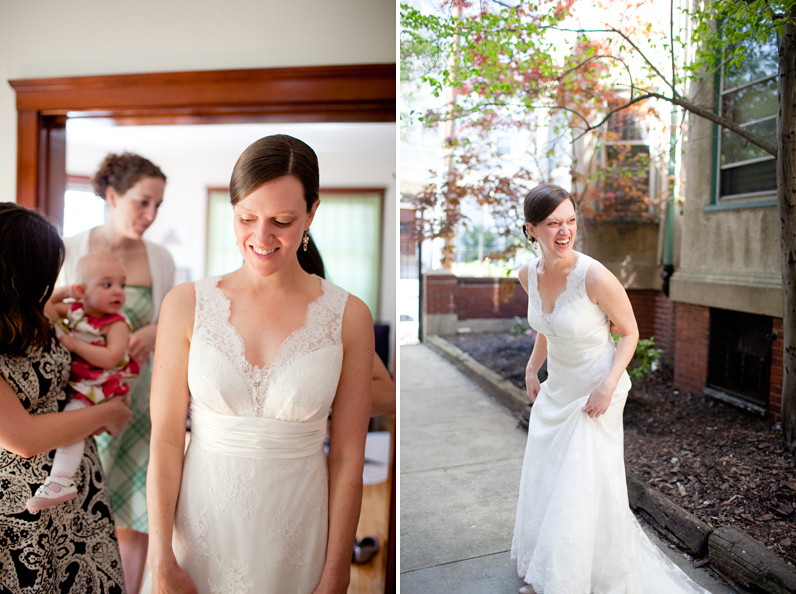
x=726 y=466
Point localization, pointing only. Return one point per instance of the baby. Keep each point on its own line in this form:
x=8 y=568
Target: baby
x=96 y=334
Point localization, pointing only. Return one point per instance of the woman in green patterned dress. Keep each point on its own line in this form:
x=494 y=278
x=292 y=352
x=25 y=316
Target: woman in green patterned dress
x=132 y=187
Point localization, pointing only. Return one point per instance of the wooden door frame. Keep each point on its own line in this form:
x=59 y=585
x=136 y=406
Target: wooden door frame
x=360 y=93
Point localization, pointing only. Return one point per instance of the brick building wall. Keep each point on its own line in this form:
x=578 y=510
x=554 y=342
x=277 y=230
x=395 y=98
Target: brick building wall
x=663 y=327
x=655 y=317
x=439 y=292
x=478 y=298
x=692 y=331
x=643 y=302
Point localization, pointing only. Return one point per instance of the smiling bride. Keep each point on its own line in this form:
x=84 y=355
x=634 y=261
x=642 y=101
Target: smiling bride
x=574 y=531
x=264 y=352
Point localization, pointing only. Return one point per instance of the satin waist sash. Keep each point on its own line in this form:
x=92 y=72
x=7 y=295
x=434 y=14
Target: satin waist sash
x=256 y=437
x=584 y=345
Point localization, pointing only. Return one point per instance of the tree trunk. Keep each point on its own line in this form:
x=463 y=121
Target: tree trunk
x=452 y=206
x=786 y=199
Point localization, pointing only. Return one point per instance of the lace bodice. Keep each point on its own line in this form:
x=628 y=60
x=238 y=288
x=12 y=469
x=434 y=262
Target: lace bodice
x=577 y=330
x=298 y=386
x=573 y=313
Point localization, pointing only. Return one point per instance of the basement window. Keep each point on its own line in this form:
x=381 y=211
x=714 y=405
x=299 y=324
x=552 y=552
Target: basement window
x=739 y=359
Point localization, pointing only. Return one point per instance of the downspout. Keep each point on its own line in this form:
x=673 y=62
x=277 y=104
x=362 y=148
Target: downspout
x=668 y=235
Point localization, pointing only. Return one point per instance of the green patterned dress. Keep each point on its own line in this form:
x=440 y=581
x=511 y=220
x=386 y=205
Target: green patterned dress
x=126 y=456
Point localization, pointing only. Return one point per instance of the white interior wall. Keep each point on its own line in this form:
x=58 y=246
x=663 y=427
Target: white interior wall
x=194 y=158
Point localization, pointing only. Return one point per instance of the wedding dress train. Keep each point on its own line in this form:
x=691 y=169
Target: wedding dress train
x=574 y=531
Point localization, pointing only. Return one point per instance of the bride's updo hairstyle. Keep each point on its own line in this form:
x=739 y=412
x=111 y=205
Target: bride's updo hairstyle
x=541 y=202
x=276 y=156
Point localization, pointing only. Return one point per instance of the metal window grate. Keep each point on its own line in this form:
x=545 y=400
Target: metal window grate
x=739 y=355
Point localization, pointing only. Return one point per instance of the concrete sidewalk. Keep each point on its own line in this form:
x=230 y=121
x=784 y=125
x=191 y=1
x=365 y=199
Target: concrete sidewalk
x=461 y=458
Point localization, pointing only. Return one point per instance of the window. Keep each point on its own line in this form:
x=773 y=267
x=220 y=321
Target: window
x=748 y=97
x=347 y=229
x=83 y=209
x=739 y=358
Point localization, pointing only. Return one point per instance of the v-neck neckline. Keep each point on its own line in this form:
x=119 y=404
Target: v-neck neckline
x=266 y=369
x=561 y=294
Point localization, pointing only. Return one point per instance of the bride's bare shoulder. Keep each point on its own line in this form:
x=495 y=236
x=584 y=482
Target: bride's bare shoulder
x=600 y=281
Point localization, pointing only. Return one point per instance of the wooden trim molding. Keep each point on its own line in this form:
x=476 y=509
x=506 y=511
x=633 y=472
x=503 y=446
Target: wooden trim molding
x=359 y=93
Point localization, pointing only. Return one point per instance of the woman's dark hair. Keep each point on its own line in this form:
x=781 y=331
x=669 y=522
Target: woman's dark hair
x=31 y=254
x=277 y=156
x=122 y=172
x=541 y=202
x=311 y=260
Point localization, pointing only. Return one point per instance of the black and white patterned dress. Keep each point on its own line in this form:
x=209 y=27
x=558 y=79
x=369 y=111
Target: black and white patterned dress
x=71 y=547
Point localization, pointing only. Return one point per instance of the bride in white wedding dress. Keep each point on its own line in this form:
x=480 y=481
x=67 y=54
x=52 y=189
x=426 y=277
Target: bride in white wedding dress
x=574 y=531
x=264 y=352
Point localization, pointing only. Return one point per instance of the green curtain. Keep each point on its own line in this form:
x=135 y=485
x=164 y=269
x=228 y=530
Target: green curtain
x=347 y=230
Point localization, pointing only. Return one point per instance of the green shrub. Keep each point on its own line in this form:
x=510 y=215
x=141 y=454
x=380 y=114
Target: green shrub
x=518 y=329
x=645 y=359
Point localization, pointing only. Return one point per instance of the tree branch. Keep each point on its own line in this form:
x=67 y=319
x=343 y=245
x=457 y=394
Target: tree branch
x=766 y=145
x=650 y=64
x=590 y=127
x=620 y=60
x=708 y=114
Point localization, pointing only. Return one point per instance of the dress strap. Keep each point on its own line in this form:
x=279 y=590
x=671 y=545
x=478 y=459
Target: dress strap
x=578 y=280
x=335 y=299
x=204 y=291
x=533 y=284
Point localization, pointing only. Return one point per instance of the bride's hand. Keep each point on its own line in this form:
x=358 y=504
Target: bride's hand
x=172 y=579
x=532 y=385
x=599 y=400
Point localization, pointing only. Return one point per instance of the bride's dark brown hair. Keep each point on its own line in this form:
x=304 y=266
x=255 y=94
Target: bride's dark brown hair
x=276 y=156
x=541 y=202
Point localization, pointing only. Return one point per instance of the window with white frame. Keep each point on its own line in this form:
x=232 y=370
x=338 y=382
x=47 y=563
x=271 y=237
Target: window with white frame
x=748 y=97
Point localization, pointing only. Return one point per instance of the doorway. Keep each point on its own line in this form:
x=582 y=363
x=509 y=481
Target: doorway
x=339 y=94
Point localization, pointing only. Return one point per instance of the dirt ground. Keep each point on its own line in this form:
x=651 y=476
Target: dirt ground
x=721 y=463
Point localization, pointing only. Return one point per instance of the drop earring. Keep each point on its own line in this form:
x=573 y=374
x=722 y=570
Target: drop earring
x=306 y=239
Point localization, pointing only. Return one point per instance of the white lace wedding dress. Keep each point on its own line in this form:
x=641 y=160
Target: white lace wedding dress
x=252 y=510
x=574 y=532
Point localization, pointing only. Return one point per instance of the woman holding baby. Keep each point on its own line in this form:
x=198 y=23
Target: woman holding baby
x=132 y=188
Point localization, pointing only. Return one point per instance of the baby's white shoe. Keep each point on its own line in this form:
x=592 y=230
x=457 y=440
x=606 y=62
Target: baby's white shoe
x=527 y=589
x=47 y=497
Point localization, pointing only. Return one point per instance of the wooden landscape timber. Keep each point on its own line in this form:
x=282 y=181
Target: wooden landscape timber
x=747 y=562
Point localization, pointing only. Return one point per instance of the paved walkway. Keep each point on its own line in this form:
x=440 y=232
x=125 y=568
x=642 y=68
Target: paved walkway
x=461 y=457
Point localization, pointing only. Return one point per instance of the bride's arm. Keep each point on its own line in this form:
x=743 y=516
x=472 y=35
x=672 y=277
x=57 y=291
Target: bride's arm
x=538 y=355
x=350 y=414
x=169 y=408
x=604 y=289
